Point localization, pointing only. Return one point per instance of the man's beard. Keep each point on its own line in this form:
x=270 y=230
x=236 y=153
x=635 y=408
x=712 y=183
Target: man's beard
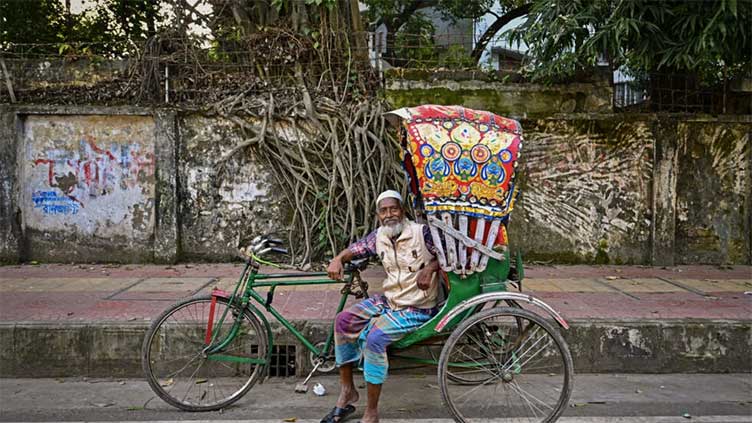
x=393 y=229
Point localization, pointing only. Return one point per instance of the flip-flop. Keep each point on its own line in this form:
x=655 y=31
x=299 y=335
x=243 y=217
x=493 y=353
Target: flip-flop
x=340 y=414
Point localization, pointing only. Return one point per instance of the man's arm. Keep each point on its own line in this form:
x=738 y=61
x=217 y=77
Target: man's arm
x=363 y=248
x=425 y=276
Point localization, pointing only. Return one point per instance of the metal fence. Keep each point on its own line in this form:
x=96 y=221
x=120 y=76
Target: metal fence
x=172 y=71
x=679 y=93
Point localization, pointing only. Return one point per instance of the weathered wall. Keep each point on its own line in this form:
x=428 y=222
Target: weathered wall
x=115 y=184
x=585 y=191
x=87 y=186
x=713 y=192
x=218 y=212
x=10 y=237
x=506 y=99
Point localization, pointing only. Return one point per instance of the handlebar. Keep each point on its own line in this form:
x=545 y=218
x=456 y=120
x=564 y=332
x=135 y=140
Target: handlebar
x=260 y=246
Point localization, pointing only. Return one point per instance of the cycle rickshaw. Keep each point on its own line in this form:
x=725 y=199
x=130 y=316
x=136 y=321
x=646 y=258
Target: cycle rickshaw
x=502 y=357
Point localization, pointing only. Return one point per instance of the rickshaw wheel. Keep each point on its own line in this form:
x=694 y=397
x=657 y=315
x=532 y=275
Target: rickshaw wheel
x=523 y=362
x=480 y=378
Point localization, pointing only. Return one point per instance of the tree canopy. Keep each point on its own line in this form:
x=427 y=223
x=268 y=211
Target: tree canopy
x=708 y=38
x=104 y=27
x=402 y=19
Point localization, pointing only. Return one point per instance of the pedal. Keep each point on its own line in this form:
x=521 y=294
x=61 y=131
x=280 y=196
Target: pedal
x=302 y=388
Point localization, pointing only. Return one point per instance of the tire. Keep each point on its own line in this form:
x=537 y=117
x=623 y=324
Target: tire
x=470 y=379
x=531 y=380
x=178 y=370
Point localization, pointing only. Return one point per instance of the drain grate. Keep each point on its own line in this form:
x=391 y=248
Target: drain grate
x=283 y=361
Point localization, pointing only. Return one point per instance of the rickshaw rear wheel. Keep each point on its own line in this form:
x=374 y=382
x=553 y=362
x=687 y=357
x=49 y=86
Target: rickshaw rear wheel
x=524 y=363
x=480 y=378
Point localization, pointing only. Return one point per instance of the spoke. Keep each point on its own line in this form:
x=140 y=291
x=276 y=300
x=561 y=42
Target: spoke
x=484 y=383
x=528 y=394
x=190 y=385
x=482 y=353
x=552 y=366
x=530 y=405
x=482 y=367
x=184 y=367
x=216 y=386
x=543 y=348
x=516 y=353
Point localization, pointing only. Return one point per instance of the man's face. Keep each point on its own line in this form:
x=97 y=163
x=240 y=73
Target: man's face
x=390 y=212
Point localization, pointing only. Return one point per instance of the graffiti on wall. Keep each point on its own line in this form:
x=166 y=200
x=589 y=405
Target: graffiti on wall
x=89 y=171
x=53 y=202
x=91 y=175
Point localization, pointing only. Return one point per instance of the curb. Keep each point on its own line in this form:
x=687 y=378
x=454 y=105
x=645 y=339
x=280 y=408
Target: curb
x=113 y=349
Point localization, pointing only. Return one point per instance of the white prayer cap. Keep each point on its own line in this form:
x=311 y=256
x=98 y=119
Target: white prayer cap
x=390 y=193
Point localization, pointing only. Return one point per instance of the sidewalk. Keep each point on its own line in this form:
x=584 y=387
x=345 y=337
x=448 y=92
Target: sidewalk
x=703 y=308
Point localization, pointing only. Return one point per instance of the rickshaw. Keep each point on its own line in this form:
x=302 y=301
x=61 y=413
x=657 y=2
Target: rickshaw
x=503 y=356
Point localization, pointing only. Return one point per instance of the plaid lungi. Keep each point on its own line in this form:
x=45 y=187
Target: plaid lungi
x=365 y=330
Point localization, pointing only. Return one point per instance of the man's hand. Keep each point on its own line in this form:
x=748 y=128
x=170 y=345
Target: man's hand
x=336 y=269
x=425 y=275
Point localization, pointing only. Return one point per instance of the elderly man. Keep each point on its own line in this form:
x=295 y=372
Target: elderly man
x=364 y=331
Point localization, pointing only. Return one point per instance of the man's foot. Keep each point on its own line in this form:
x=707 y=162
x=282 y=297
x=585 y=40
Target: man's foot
x=347 y=396
x=369 y=417
x=338 y=414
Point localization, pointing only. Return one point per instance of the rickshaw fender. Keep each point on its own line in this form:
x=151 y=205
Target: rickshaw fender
x=495 y=296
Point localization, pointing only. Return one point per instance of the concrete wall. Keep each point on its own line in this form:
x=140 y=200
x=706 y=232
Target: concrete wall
x=644 y=346
x=218 y=212
x=87 y=185
x=84 y=184
x=585 y=190
x=127 y=184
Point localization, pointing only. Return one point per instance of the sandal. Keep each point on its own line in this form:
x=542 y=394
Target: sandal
x=338 y=414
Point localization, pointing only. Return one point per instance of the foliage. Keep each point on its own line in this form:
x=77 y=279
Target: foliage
x=102 y=29
x=397 y=14
x=456 y=57
x=414 y=41
x=707 y=38
x=463 y=9
x=41 y=21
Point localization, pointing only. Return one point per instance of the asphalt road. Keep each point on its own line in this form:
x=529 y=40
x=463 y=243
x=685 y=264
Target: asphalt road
x=407 y=398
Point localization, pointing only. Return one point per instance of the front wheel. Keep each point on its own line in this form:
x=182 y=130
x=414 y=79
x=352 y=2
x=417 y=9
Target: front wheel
x=526 y=362
x=203 y=354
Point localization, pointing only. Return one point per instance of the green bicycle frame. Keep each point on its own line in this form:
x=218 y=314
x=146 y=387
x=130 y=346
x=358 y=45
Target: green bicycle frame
x=493 y=278
x=251 y=279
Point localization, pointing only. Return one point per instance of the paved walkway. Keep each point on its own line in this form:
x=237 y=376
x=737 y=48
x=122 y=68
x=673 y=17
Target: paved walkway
x=101 y=293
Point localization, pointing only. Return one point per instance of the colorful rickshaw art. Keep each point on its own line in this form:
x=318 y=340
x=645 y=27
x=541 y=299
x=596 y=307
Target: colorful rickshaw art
x=460 y=165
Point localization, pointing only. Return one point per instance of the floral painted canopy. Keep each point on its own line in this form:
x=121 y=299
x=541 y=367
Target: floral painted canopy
x=461 y=160
x=460 y=165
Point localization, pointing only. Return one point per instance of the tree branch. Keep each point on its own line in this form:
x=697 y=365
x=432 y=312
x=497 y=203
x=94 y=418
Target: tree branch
x=495 y=27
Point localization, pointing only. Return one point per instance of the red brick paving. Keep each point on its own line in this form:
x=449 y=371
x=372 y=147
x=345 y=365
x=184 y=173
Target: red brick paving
x=111 y=305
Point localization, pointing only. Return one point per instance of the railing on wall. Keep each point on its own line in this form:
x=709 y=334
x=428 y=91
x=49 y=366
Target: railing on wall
x=173 y=72
x=678 y=93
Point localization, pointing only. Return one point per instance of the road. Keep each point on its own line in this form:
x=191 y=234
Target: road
x=408 y=398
